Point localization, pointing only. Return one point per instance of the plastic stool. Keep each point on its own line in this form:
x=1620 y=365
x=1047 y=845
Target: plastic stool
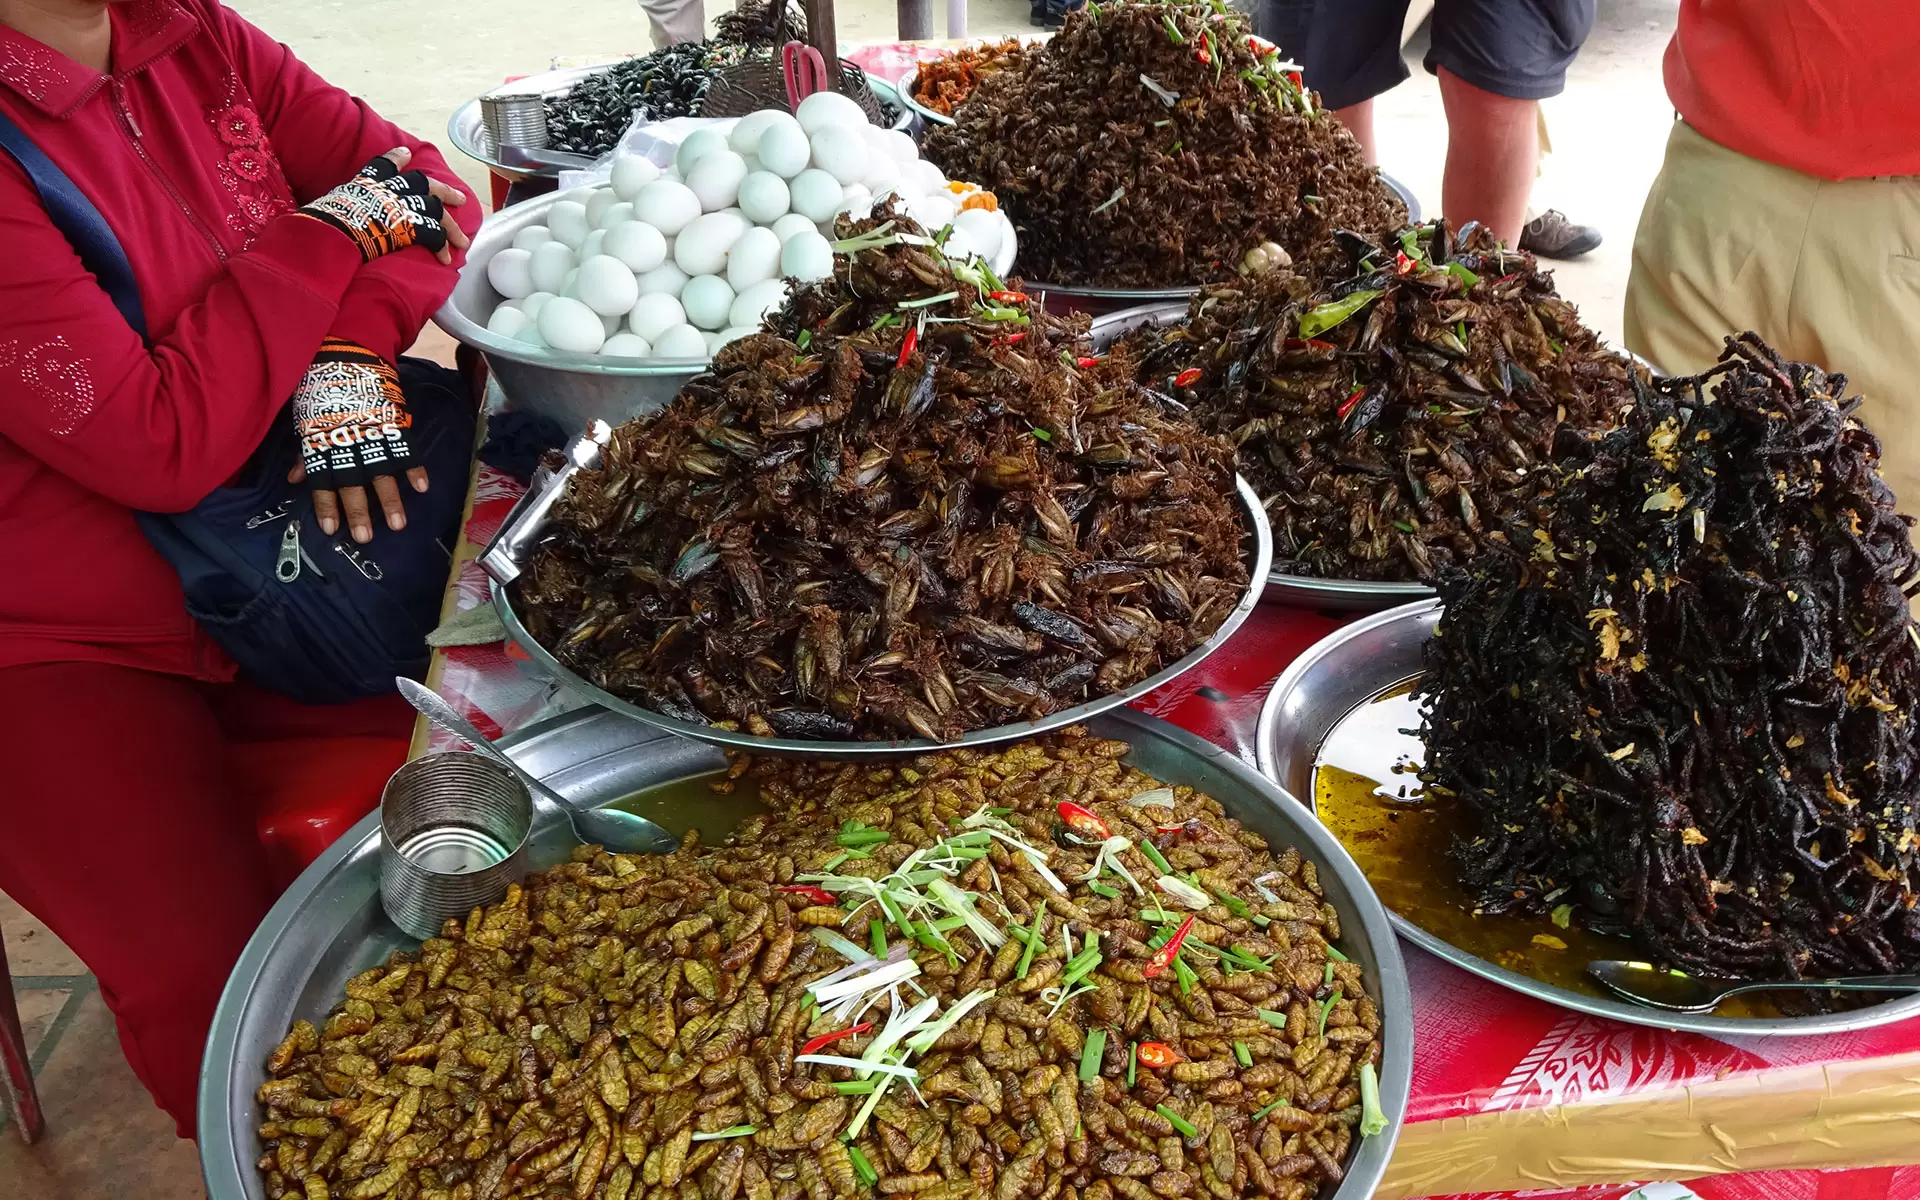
x=17 y=1094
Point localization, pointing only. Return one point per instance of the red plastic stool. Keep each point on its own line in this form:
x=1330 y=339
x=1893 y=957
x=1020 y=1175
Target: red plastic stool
x=17 y=1095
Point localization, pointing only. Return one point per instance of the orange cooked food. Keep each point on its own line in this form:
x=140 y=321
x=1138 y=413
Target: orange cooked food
x=943 y=84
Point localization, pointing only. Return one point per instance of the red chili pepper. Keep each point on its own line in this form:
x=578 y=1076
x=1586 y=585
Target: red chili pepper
x=1187 y=378
x=1202 y=55
x=1353 y=398
x=1168 y=828
x=1163 y=957
x=1082 y=821
x=1008 y=297
x=1402 y=265
x=1297 y=80
x=1159 y=1055
x=815 y=1045
x=815 y=894
x=1310 y=344
x=1506 y=278
x=906 y=346
x=1084 y=363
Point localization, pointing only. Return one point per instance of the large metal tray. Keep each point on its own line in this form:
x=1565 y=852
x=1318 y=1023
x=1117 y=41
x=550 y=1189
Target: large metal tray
x=1259 y=561
x=328 y=926
x=1292 y=591
x=1360 y=661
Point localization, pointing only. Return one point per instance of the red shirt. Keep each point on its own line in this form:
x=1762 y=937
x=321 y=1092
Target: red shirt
x=1826 y=87
x=196 y=149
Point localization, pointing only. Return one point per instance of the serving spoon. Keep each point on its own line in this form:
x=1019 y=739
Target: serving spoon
x=1676 y=991
x=619 y=831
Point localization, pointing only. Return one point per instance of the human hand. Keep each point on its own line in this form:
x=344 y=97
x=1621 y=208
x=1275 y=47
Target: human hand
x=385 y=208
x=352 y=419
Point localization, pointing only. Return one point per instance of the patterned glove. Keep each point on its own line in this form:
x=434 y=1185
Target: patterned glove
x=351 y=418
x=384 y=209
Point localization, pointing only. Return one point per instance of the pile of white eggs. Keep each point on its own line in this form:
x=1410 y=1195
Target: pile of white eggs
x=676 y=263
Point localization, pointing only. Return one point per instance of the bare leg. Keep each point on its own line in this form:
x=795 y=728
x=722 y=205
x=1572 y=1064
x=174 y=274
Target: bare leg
x=1358 y=118
x=1493 y=150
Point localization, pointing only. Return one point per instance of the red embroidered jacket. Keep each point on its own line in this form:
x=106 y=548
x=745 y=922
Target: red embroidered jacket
x=196 y=149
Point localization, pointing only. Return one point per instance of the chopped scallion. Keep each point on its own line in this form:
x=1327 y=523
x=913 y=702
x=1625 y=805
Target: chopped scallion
x=1090 y=1053
x=1373 y=1121
x=1033 y=943
x=1280 y=1103
x=1243 y=1055
x=1277 y=1020
x=1334 y=954
x=1326 y=1010
x=1101 y=889
x=1154 y=856
x=862 y=1167
x=1133 y=1061
x=1176 y=1120
x=877 y=937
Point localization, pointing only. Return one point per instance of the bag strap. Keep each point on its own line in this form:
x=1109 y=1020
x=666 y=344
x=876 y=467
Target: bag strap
x=75 y=216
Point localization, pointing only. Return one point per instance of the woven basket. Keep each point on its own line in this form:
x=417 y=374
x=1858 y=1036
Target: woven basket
x=759 y=83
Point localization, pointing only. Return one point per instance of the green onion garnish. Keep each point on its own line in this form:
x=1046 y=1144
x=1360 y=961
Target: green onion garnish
x=731 y=1131
x=928 y=301
x=1090 y=1055
x=1184 y=974
x=1282 y=1103
x=1133 y=1061
x=1329 y=979
x=862 y=1167
x=1179 y=1122
x=1033 y=943
x=1042 y=434
x=805 y=339
x=1373 y=1121
x=1326 y=1011
x=1277 y=1020
x=877 y=937
x=836 y=860
x=855 y=1087
x=862 y=837
x=1101 y=889
x=1154 y=856
x=1334 y=954
x=1241 y=1053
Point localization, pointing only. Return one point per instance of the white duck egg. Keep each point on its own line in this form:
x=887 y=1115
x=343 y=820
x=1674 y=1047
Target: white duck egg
x=549 y=267
x=793 y=223
x=568 y=221
x=625 y=345
x=707 y=299
x=666 y=205
x=755 y=258
x=531 y=336
x=839 y=152
x=534 y=303
x=784 y=149
x=654 y=314
x=630 y=173
x=701 y=248
x=567 y=324
x=510 y=271
x=934 y=212
x=593 y=244
x=899 y=146
x=806 y=256
x=753 y=304
x=615 y=214
x=607 y=286
x=764 y=197
x=713 y=342
x=824 y=109
x=682 y=341
x=612 y=324
x=733 y=334
x=745 y=138
x=598 y=204
x=856 y=200
x=637 y=244
x=664 y=280
x=816 y=194
x=531 y=237
x=508 y=321
x=983 y=228
x=925 y=176
x=699 y=144
x=716 y=178
x=883 y=174
x=567 y=284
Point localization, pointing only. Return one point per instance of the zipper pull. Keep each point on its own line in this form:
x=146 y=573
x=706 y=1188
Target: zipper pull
x=273 y=514
x=126 y=110
x=287 y=567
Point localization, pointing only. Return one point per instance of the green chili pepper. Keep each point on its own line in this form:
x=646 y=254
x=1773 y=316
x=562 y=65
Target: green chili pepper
x=1322 y=317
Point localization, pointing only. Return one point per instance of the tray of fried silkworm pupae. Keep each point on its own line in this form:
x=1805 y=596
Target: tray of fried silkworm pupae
x=835 y=982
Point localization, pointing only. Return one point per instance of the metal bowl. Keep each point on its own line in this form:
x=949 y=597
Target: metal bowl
x=1295 y=591
x=573 y=389
x=1351 y=666
x=1258 y=562
x=328 y=926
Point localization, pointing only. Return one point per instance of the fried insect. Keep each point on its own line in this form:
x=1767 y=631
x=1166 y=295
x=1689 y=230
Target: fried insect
x=566 y=977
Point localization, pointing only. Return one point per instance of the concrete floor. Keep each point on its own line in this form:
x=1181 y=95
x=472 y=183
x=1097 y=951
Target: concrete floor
x=416 y=63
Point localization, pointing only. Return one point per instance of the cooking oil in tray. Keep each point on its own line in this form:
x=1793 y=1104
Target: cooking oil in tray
x=1366 y=793
x=691 y=803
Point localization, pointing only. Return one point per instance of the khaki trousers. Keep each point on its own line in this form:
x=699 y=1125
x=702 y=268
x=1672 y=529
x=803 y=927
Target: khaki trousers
x=1826 y=272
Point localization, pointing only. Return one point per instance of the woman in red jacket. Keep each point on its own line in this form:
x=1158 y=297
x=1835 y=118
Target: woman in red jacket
x=242 y=189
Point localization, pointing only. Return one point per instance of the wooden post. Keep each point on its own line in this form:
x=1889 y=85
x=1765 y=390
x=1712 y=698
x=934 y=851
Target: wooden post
x=824 y=37
x=916 y=19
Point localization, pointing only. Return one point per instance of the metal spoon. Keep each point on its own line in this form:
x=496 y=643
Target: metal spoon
x=1676 y=991
x=620 y=832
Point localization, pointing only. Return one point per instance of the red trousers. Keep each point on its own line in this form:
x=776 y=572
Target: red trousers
x=129 y=825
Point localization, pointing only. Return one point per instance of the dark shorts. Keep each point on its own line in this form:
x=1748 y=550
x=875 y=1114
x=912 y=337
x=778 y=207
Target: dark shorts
x=1349 y=50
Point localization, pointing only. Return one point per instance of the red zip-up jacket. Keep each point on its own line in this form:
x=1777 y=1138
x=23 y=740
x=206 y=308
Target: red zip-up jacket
x=196 y=148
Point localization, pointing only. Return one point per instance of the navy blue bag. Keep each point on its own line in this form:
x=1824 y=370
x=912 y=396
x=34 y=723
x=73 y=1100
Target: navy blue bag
x=318 y=619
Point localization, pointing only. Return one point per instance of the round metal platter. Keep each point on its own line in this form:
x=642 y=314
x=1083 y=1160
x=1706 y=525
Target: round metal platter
x=1293 y=591
x=469 y=135
x=1350 y=667
x=1258 y=562
x=329 y=927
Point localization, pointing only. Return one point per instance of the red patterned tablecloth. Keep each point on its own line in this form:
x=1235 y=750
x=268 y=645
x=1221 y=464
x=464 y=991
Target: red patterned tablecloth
x=1508 y=1092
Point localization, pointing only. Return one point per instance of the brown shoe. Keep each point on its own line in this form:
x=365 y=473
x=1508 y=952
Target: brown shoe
x=1551 y=235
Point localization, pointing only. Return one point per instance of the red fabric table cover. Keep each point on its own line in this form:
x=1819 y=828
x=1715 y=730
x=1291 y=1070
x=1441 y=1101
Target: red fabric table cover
x=1490 y=1062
